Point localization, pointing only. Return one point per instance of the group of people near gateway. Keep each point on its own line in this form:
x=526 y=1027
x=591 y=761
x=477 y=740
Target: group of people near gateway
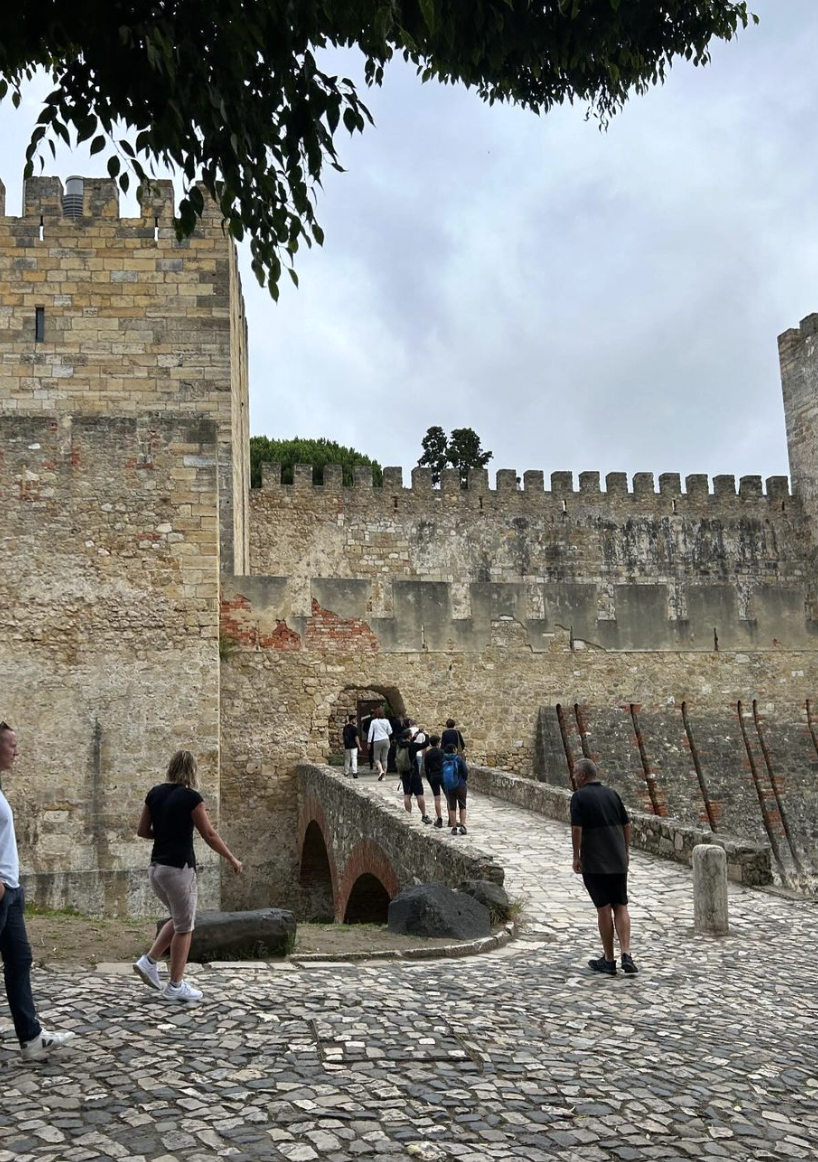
x=400 y=745
x=599 y=824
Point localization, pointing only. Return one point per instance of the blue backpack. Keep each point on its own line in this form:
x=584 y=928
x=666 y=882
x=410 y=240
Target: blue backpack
x=451 y=771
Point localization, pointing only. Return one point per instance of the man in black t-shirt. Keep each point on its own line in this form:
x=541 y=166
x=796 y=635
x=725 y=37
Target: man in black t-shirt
x=601 y=835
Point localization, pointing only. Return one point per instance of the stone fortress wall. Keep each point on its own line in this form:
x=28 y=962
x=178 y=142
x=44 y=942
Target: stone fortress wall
x=156 y=601
x=632 y=569
x=109 y=651
x=123 y=394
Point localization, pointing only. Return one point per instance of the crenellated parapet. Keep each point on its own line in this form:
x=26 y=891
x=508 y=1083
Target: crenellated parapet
x=529 y=486
x=85 y=201
x=733 y=533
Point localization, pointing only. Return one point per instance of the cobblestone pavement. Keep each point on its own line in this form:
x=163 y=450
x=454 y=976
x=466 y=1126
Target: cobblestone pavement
x=710 y=1053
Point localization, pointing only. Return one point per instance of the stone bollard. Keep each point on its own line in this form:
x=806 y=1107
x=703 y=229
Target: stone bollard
x=710 y=889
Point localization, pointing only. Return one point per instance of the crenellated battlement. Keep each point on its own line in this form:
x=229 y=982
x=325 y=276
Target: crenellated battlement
x=738 y=535
x=113 y=316
x=791 y=342
x=642 y=485
x=85 y=201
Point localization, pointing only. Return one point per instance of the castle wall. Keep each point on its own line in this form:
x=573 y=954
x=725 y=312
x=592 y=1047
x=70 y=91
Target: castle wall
x=633 y=568
x=278 y=705
x=133 y=320
x=109 y=652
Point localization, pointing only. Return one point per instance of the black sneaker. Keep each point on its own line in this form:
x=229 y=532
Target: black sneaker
x=628 y=967
x=454 y=831
x=380 y=776
x=462 y=829
x=602 y=965
x=425 y=819
x=438 y=822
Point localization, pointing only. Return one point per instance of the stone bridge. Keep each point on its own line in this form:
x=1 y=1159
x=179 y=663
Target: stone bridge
x=358 y=848
x=356 y=851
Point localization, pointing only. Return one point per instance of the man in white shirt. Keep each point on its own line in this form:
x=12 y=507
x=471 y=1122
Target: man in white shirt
x=14 y=946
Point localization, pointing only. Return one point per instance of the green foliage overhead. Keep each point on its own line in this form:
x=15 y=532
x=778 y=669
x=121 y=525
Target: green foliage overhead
x=288 y=453
x=231 y=92
x=461 y=450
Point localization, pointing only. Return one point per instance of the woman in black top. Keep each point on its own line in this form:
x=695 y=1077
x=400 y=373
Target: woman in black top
x=172 y=809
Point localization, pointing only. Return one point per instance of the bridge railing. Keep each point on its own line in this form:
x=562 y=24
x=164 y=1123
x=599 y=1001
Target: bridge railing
x=747 y=863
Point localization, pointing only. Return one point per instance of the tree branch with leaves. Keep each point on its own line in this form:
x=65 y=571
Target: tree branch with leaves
x=231 y=93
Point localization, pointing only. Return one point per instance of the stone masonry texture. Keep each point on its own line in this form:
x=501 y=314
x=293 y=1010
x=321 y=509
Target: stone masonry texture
x=153 y=600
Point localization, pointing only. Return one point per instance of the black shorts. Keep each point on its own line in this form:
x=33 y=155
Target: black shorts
x=457 y=797
x=412 y=782
x=435 y=784
x=606 y=890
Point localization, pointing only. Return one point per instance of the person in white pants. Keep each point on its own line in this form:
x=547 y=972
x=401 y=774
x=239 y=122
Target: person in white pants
x=352 y=747
x=378 y=739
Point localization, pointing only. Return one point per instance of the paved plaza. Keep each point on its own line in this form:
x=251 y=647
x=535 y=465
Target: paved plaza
x=710 y=1053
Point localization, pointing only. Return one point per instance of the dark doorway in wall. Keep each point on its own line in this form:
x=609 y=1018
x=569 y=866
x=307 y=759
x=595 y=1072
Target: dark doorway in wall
x=368 y=901
x=317 y=904
x=361 y=700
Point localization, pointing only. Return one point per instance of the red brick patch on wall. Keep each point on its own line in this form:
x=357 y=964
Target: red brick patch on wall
x=326 y=631
x=236 y=623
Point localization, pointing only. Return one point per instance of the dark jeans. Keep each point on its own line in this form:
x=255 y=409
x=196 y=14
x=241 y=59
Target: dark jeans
x=16 y=952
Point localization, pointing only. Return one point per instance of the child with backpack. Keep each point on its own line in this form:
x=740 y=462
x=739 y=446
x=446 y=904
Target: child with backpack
x=410 y=775
x=455 y=774
x=432 y=770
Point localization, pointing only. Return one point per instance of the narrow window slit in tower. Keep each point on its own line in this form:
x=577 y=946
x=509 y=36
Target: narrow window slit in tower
x=156 y=229
x=673 y=505
x=39 y=324
x=42 y=228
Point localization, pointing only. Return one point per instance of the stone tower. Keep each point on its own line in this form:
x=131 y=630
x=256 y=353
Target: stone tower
x=106 y=316
x=124 y=476
x=798 y=354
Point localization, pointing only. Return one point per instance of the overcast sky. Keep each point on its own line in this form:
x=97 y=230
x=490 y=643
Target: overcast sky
x=583 y=300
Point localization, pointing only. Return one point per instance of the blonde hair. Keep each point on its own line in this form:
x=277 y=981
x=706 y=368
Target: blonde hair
x=182 y=769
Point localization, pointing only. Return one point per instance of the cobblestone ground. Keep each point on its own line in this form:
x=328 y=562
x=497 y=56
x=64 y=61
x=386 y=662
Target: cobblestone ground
x=710 y=1053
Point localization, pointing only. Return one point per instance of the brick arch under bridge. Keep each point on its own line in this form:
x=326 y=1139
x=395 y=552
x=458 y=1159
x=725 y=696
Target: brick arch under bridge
x=357 y=851
x=357 y=891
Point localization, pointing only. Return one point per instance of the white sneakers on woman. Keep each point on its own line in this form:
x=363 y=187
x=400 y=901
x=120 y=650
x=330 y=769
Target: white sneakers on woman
x=181 y=992
x=149 y=971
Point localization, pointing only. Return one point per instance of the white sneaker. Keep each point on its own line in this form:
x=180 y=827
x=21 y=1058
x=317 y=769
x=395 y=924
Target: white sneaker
x=149 y=973
x=41 y=1046
x=181 y=992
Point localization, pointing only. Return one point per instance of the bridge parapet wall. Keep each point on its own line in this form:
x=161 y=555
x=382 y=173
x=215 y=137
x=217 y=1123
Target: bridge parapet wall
x=370 y=835
x=747 y=863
